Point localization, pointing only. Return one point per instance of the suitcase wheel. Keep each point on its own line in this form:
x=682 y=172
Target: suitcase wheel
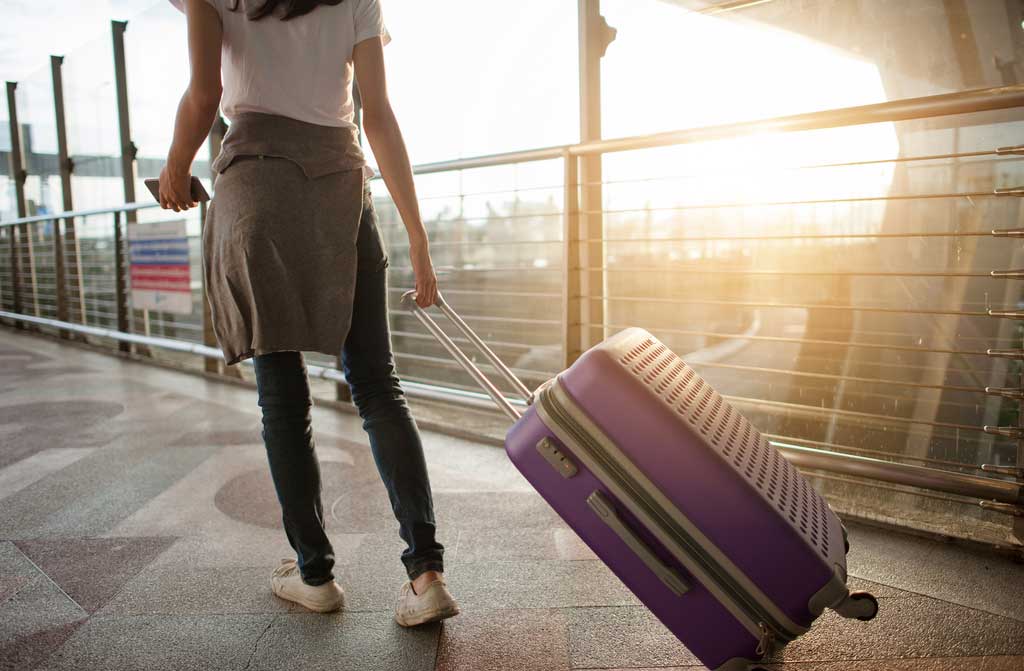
x=862 y=606
x=846 y=538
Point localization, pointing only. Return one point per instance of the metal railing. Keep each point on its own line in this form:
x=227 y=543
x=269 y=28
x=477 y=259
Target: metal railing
x=819 y=332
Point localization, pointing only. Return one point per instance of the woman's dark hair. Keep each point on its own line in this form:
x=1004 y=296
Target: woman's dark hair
x=292 y=8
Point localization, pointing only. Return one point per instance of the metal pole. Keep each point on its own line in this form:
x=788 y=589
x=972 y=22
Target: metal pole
x=571 y=303
x=58 y=239
x=120 y=284
x=17 y=162
x=71 y=266
x=128 y=154
x=128 y=148
x=594 y=37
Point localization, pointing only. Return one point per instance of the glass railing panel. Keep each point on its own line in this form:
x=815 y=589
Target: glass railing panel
x=496 y=242
x=34 y=98
x=6 y=286
x=91 y=273
x=90 y=103
x=789 y=56
x=836 y=286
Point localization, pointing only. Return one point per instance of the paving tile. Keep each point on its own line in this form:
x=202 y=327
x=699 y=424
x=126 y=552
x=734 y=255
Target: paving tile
x=16 y=570
x=169 y=590
x=504 y=640
x=537 y=584
x=349 y=641
x=909 y=627
x=510 y=510
x=246 y=548
x=31 y=469
x=26 y=652
x=879 y=590
x=161 y=643
x=622 y=637
x=232 y=493
x=477 y=544
x=91 y=570
x=45 y=424
x=218 y=438
x=92 y=495
x=34 y=621
x=941 y=570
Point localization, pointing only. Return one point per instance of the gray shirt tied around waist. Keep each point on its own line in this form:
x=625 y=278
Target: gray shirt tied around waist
x=279 y=241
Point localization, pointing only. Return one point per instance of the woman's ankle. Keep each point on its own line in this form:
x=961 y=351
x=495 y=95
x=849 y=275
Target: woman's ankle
x=423 y=580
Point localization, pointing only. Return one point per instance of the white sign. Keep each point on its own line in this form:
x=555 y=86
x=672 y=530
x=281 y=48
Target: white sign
x=160 y=273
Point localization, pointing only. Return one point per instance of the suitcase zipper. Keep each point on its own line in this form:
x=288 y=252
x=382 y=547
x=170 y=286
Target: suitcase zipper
x=758 y=619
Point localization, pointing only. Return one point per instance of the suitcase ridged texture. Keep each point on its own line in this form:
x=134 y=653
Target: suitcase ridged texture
x=732 y=436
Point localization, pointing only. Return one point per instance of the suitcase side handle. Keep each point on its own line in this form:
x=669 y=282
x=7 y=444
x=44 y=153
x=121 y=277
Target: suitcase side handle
x=604 y=509
x=409 y=302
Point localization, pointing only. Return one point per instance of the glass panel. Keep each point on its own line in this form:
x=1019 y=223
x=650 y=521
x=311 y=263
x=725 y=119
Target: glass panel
x=8 y=210
x=495 y=236
x=90 y=103
x=788 y=56
x=8 y=200
x=836 y=284
x=36 y=114
x=518 y=90
x=93 y=299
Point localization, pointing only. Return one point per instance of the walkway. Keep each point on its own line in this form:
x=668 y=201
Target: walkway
x=139 y=527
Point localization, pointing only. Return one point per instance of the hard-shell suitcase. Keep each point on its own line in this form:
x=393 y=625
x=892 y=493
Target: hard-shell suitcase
x=709 y=525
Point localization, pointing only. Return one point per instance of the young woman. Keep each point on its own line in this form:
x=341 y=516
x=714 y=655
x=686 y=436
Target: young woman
x=293 y=260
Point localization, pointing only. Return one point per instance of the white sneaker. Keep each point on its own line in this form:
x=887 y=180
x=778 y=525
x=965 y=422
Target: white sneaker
x=433 y=604
x=287 y=584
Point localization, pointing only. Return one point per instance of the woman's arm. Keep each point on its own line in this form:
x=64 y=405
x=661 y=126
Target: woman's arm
x=198 y=107
x=389 y=148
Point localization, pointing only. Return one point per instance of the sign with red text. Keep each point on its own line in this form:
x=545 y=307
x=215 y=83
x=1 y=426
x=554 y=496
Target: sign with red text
x=160 y=273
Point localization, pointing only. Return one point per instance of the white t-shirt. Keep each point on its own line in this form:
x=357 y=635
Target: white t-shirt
x=299 y=68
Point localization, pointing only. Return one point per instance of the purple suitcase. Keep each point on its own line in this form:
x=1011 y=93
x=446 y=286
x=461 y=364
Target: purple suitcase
x=709 y=525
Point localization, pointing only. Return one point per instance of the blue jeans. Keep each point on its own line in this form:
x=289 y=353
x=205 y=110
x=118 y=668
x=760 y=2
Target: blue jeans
x=283 y=387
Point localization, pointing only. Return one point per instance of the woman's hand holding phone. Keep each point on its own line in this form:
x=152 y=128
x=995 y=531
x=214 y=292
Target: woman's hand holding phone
x=175 y=189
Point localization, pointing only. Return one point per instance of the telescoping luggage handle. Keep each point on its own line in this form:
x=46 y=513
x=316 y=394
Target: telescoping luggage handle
x=409 y=302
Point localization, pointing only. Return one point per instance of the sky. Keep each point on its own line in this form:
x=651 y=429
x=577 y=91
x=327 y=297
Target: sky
x=31 y=30
x=475 y=77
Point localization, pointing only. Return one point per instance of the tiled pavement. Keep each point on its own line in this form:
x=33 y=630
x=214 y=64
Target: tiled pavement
x=138 y=529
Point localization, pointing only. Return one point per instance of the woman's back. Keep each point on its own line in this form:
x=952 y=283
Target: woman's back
x=299 y=68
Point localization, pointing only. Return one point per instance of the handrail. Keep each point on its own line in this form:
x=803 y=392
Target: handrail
x=945 y=104
x=960 y=102
x=127 y=207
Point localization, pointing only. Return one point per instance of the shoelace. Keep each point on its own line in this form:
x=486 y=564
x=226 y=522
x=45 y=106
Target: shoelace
x=287 y=568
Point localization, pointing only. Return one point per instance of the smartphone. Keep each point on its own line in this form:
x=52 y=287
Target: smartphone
x=198 y=191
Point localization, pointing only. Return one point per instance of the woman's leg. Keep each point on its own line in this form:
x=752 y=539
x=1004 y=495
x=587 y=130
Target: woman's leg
x=283 y=387
x=376 y=391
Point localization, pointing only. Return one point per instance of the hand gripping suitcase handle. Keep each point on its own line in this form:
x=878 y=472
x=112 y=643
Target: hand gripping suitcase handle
x=409 y=302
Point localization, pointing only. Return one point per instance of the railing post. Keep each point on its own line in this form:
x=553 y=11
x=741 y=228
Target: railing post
x=120 y=284
x=18 y=174
x=571 y=298
x=128 y=151
x=69 y=269
x=594 y=36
